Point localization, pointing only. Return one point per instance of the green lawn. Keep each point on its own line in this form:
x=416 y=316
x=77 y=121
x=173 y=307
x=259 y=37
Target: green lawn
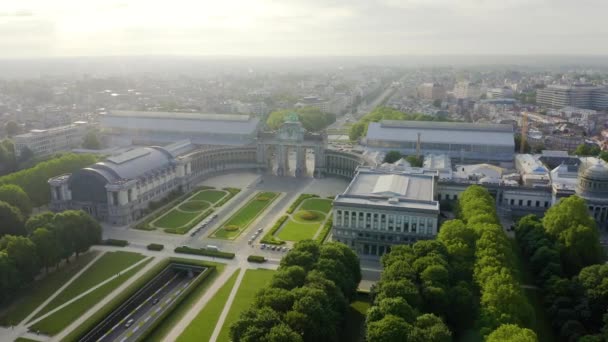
x=296 y=231
x=253 y=281
x=202 y=326
x=175 y=219
x=195 y=206
x=244 y=216
x=355 y=319
x=212 y=196
x=159 y=333
x=41 y=290
x=58 y=321
x=23 y=339
x=318 y=204
x=107 y=266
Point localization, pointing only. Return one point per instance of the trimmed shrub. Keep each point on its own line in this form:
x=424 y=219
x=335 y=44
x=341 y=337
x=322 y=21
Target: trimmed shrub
x=115 y=242
x=307 y=215
x=325 y=231
x=156 y=247
x=256 y=258
x=231 y=228
x=204 y=252
x=269 y=237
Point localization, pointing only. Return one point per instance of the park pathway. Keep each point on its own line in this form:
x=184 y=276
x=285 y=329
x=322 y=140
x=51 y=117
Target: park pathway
x=117 y=291
x=220 y=321
x=21 y=328
x=181 y=326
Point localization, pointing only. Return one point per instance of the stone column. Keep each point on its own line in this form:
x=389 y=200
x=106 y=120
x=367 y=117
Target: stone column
x=300 y=161
x=282 y=161
x=319 y=161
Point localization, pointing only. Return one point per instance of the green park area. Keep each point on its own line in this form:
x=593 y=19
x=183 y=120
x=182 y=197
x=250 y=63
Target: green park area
x=253 y=281
x=241 y=220
x=34 y=295
x=306 y=221
x=188 y=213
x=109 y=265
x=59 y=320
x=201 y=328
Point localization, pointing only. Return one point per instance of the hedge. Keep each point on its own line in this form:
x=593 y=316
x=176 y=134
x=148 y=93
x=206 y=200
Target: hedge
x=145 y=224
x=325 y=231
x=256 y=258
x=155 y=247
x=115 y=242
x=298 y=201
x=98 y=316
x=204 y=252
x=269 y=237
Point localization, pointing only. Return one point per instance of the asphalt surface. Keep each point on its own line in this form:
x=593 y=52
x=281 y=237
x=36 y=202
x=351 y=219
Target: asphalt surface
x=146 y=314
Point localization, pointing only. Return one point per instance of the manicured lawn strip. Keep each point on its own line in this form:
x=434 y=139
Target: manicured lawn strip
x=201 y=327
x=318 y=204
x=212 y=196
x=107 y=266
x=325 y=231
x=31 y=297
x=160 y=332
x=355 y=319
x=247 y=214
x=194 y=206
x=295 y=231
x=186 y=228
x=175 y=219
x=253 y=281
x=58 y=321
x=23 y=339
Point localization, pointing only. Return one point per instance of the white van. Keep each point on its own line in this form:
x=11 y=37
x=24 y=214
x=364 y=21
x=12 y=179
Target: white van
x=213 y=248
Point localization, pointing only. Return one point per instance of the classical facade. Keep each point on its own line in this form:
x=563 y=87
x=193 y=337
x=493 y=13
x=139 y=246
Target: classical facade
x=383 y=208
x=592 y=186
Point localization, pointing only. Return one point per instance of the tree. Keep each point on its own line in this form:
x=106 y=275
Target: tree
x=15 y=196
x=430 y=328
x=283 y=333
x=312 y=119
x=9 y=276
x=388 y=329
x=568 y=212
x=392 y=156
x=23 y=253
x=415 y=161
x=581 y=246
x=11 y=220
x=397 y=306
x=587 y=150
x=48 y=248
x=11 y=128
x=77 y=231
x=25 y=154
x=254 y=324
x=43 y=220
x=91 y=141
x=289 y=277
x=512 y=333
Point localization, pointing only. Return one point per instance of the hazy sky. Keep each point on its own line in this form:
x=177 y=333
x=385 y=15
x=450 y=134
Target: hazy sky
x=41 y=28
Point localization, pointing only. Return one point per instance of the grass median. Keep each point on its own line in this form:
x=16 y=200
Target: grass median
x=59 y=320
x=241 y=220
x=253 y=281
x=34 y=295
x=110 y=264
x=202 y=326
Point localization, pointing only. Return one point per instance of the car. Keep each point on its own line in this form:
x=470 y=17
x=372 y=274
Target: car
x=155 y=301
x=263 y=246
x=274 y=248
x=260 y=230
x=285 y=249
x=129 y=322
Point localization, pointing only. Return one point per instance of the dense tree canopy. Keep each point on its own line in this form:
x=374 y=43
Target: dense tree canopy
x=91 y=141
x=392 y=156
x=307 y=297
x=34 y=180
x=313 y=119
x=512 y=333
x=15 y=196
x=11 y=220
x=11 y=128
x=584 y=150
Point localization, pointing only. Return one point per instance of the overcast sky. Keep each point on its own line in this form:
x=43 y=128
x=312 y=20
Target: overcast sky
x=52 y=28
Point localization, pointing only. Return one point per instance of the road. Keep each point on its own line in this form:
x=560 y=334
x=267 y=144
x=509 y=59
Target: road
x=146 y=313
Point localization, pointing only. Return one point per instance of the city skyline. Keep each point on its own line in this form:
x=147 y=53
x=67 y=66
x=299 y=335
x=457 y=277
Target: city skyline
x=33 y=29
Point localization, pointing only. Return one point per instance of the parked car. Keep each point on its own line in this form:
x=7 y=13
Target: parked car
x=155 y=301
x=129 y=322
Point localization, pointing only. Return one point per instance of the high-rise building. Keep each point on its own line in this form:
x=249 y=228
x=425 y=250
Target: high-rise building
x=467 y=90
x=579 y=95
x=431 y=91
x=46 y=142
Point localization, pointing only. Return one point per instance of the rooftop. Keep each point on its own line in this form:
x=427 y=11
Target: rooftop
x=442 y=132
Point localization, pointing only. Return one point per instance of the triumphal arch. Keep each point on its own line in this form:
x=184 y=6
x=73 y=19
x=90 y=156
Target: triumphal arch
x=275 y=148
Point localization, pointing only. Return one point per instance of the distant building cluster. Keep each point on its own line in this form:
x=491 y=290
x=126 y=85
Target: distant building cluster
x=46 y=142
x=578 y=95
